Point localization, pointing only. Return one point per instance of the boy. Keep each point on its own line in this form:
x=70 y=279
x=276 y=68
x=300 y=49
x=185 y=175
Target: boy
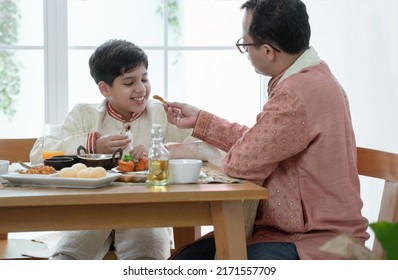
x=120 y=69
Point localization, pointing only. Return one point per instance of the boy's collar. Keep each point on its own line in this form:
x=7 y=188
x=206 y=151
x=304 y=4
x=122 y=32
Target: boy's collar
x=114 y=114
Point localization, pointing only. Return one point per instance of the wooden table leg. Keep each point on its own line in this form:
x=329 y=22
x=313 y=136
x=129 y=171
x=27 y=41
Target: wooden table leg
x=229 y=230
x=184 y=236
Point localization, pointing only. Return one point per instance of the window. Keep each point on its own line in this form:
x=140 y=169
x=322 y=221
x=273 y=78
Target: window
x=23 y=66
x=193 y=59
x=188 y=60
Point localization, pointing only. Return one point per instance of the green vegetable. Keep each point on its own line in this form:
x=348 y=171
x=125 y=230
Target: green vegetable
x=128 y=157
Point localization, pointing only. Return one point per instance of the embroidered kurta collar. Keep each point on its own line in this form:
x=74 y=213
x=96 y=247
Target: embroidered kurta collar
x=308 y=58
x=114 y=114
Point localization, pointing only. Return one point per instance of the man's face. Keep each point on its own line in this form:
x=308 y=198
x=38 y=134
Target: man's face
x=256 y=54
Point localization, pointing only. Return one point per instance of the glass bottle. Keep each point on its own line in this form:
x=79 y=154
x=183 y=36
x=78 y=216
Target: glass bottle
x=158 y=159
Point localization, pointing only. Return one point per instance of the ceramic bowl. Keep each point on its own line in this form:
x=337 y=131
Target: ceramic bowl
x=59 y=162
x=4 y=164
x=75 y=158
x=184 y=170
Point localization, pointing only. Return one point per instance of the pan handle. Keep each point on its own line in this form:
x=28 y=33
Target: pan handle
x=81 y=148
x=115 y=158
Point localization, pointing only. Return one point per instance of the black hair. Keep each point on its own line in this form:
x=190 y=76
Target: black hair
x=114 y=58
x=282 y=23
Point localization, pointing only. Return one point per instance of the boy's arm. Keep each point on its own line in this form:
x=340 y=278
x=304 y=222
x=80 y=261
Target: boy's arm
x=182 y=145
x=196 y=150
x=70 y=135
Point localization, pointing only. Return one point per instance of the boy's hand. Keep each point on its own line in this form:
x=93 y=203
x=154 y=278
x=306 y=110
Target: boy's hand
x=110 y=143
x=139 y=151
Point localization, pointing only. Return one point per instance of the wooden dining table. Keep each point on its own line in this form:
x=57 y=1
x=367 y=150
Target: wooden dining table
x=121 y=205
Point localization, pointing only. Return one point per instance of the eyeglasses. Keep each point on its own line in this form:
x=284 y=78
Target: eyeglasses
x=244 y=47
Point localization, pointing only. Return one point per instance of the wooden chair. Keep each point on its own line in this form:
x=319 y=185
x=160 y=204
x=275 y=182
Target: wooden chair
x=370 y=163
x=14 y=150
x=381 y=165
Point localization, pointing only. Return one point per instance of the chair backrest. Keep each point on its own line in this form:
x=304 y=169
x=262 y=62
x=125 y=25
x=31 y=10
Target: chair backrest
x=382 y=165
x=16 y=149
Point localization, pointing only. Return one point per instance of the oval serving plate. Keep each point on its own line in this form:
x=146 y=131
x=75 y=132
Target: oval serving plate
x=53 y=180
x=131 y=177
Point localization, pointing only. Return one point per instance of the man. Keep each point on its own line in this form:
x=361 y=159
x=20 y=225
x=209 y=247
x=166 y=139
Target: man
x=302 y=147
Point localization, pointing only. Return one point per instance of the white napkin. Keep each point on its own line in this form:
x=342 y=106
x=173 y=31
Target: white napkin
x=50 y=240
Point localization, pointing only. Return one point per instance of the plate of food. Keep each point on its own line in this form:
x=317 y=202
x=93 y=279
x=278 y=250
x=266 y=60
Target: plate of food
x=131 y=170
x=54 y=180
x=48 y=176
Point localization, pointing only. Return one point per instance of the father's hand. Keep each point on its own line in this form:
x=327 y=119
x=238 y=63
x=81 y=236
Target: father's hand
x=181 y=114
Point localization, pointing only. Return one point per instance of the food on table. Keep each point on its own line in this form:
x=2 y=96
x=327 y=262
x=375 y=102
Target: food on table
x=79 y=166
x=141 y=165
x=126 y=164
x=160 y=99
x=41 y=169
x=98 y=172
x=84 y=172
x=68 y=172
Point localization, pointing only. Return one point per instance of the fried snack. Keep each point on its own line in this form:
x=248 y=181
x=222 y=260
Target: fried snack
x=84 y=173
x=68 y=172
x=125 y=166
x=160 y=99
x=141 y=164
x=42 y=170
x=79 y=166
x=98 y=172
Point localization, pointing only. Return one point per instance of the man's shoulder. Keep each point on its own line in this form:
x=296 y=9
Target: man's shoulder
x=313 y=78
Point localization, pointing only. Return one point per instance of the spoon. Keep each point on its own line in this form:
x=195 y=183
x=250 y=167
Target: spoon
x=27 y=166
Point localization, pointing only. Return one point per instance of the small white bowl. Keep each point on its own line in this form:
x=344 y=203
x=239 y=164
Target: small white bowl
x=4 y=164
x=184 y=170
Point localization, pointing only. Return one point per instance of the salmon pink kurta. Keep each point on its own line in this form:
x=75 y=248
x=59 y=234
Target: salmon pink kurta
x=302 y=149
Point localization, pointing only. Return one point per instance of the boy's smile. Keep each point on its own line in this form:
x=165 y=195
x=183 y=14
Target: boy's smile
x=129 y=92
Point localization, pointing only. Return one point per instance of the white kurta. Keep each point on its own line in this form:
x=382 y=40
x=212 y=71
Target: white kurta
x=87 y=118
x=152 y=243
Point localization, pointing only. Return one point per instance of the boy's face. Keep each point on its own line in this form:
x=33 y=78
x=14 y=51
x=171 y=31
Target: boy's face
x=129 y=92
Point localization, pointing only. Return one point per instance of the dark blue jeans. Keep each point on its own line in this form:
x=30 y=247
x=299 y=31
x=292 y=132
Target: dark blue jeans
x=205 y=249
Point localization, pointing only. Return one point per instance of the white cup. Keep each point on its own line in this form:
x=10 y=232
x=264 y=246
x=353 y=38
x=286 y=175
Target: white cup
x=4 y=164
x=184 y=170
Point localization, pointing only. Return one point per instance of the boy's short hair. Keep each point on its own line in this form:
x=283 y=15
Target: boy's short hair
x=283 y=23
x=114 y=58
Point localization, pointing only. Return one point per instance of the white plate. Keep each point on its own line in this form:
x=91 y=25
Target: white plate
x=139 y=173
x=54 y=180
